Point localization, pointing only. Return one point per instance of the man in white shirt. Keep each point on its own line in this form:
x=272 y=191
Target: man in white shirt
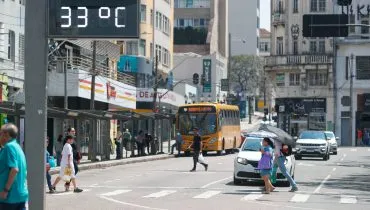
x=280 y=161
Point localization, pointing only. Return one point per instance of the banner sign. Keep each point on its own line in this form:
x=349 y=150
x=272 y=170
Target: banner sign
x=207 y=73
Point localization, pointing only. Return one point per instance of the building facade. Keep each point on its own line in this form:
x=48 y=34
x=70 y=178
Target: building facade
x=265 y=42
x=300 y=68
x=353 y=60
x=244 y=24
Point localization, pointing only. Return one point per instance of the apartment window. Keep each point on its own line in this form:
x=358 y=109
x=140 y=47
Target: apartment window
x=318 y=5
x=160 y=20
x=364 y=29
x=295 y=47
x=322 y=46
x=158 y=50
x=280 y=79
x=21 y=49
x=189 y=4
x=11 y=45
x=352 y=29
x=142 y=45
x=313 y=46
x=322 y=5
x=166 y=57
x=314 y=5
x=295 y=6
x=363 y=67
x=294 y=79
x=280 y=46
x=132 y=48
x=143 y=13
x=347 y=67
x=151 y=50
x=264 y=47
x=192 y=4
x=151 y=17
x=317 y=78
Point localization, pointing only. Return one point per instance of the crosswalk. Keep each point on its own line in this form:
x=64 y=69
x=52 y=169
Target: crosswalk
x=299 y=197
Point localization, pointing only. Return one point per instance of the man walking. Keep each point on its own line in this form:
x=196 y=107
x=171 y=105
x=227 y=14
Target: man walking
x=197 y=147
x=177 y=144
x=280 y=161
x=13 y=171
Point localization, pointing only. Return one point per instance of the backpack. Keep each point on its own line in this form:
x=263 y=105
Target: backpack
x=286 y=152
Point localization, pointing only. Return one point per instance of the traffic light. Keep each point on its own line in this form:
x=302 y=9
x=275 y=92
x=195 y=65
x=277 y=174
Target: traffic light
x=195 y=78
x=203 y=80
x=344 y=2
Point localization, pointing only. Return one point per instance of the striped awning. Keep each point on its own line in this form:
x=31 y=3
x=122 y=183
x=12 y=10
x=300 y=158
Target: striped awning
x=102 y=47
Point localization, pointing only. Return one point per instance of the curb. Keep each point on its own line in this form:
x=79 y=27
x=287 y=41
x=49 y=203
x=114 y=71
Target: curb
x=111 y=163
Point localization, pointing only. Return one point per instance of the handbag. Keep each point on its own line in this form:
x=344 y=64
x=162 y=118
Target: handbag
x=52 y=162
x=201 y=159
x=67 y=174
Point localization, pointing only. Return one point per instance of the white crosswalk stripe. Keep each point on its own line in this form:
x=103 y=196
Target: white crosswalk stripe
x=116 y=192
x=353 y=150
x=300 y=198
x=207 y=194
x=252 y=197
x=346 y=199
x=160 y=194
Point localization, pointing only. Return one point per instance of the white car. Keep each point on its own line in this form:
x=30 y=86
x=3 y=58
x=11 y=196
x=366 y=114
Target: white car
x=333 y=142
x=246 y=162
x=313 y=144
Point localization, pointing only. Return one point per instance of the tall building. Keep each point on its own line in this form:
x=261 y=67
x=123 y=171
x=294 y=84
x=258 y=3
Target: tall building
x=201 y=39
x=244 y=24
x=353 y=60
x=300 y=68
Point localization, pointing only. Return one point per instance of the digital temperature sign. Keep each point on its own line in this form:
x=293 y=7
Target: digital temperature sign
x=94 y=18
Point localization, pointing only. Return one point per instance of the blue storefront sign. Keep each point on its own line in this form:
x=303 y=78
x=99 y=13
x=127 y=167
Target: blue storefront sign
x=128 y=64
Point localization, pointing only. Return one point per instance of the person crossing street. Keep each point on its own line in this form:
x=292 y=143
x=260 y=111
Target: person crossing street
x=197 y=147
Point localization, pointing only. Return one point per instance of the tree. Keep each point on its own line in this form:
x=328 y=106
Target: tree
x=245 y=73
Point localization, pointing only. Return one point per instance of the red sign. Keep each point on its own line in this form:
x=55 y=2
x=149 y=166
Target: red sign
x=111 y=91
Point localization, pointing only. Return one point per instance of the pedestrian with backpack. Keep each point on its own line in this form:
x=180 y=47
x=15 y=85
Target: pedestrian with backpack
x=281 y=151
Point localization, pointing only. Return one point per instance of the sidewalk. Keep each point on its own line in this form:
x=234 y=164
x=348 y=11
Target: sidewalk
x=256 y=121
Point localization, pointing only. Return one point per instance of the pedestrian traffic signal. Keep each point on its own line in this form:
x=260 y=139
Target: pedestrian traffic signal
x=344 y=2
x=195 y=78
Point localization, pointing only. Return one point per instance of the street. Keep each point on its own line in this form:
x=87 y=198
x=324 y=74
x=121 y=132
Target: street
x=340 y=183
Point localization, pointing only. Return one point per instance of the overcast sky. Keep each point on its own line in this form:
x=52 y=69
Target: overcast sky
x=265 y=14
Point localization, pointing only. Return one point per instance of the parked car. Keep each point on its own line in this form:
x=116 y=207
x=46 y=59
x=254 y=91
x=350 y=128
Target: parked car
x=246 y=162
x=333 y=142
x=313 y=144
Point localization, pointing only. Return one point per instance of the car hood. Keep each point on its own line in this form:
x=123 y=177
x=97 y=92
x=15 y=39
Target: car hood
x=311 y=141
x=250 y=155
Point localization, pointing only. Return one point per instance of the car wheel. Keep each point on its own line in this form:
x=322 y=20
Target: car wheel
x=237 y=181
x=219 y=152
x=335 y=153
x=326 y=157
x=298 y=157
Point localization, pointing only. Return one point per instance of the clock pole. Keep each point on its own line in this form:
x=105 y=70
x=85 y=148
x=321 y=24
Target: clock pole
x=36 y=51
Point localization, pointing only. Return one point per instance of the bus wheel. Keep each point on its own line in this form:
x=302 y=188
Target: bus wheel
x=204 y=153
x=219 y=152
x=187 y=153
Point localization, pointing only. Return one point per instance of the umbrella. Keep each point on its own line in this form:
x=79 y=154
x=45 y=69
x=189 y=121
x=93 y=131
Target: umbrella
x=282 y=136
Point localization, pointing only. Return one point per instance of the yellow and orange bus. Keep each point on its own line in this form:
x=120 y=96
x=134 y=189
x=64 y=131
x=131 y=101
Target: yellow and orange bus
x=219 y=126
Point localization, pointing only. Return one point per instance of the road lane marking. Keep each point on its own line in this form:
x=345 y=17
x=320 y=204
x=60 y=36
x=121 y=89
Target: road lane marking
x=300 y=198
x=353 y=150
x=207 y=194
x=334 y=169
x=342 y=159
x=305 y=164
x=67 y=193
x=129 y=204
x=368 y=150
x=346 y=199
x=317 y=190
x=252 y=197
x=160 y=194
x=116 y=192
x=109 y=181
x=215 y=182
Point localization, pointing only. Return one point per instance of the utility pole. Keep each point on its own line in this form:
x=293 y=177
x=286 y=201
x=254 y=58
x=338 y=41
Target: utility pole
x=155 y=89
x=93 y=141
x=65 y=85
x=351 y=101
x=249 y=109
x=264 y=96
x=36 y=50
x=229 y=64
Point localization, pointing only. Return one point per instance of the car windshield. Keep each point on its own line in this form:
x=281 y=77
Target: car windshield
x=312 y=135
x=206 y=122
x=252 y=144
x=330 y=135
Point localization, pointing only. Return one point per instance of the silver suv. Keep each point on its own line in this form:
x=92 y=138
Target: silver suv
x=313 y=144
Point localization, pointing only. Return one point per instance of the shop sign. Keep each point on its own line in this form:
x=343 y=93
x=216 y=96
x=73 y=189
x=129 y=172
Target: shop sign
x=360 y=9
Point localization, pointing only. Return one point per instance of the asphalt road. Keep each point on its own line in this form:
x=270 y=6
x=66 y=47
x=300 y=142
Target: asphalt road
x=340 y=183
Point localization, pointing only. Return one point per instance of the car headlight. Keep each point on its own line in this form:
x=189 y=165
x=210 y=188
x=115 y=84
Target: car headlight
x=322 y=145
x=213 y=140
x=334 y=144
x=242 y=161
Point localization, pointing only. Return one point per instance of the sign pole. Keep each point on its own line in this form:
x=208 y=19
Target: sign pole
x=36 y=50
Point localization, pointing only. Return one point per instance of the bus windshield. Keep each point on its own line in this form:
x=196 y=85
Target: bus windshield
x=206 y=122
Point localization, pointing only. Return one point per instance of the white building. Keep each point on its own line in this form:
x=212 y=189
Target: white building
x=353 y=55
x=12 y=15
x=300 y=68
x=265 y=42
x=244 y=24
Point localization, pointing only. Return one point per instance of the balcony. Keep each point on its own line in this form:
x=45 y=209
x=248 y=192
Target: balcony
x=84 y=63
x=288 y=60
x=278 y=18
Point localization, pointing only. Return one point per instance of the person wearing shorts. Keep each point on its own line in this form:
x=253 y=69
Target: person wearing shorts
x=67 y=162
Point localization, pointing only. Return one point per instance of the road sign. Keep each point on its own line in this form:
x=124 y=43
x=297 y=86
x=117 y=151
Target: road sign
x=325 y=25
x=93 y=19
x=224 y=84
x=207 y=73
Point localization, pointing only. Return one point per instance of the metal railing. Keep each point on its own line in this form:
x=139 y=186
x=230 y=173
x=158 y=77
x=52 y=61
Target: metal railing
x=84 y=63
x=277 y=18
x=277 y=60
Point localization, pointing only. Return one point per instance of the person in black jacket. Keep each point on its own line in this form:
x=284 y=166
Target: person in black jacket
x=197 y=147
x=76 y=155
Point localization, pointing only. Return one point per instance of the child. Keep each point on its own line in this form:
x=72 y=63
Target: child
x=265 y=164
